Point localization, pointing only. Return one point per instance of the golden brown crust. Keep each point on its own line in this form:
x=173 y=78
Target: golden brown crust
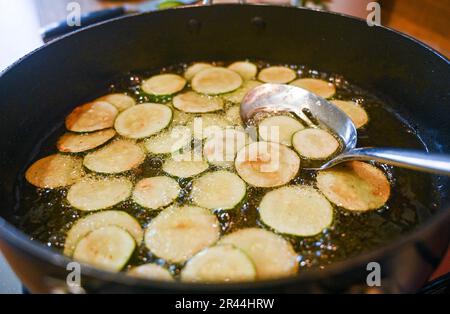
x=93 y=116
x=356 y=186
x=77 y=143
x=55 y=171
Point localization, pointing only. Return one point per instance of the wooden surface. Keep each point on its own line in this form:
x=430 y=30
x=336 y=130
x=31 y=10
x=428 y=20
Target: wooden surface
x=427 y=20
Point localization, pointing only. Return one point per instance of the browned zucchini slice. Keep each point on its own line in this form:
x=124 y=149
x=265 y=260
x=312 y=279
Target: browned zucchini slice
x=93 y=116
x=78 y=143
x=265 y=164
x=55 y=171
x=356 y=186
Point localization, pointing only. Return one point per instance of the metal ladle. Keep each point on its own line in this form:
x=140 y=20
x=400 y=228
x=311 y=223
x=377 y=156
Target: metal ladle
x=315 y=111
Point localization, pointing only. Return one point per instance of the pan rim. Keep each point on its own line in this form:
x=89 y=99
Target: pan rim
x=19 y=239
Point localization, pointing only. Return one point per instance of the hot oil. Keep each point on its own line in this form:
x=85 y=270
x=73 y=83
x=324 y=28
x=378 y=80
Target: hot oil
x=46 y=216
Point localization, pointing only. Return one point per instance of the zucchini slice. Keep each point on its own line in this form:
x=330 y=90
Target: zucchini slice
x=220 y=148
x=143 y=120
x=233 y=115
x=215 y=81
x=321 y=88
x=193 y=102
x=120 y=101
x=356 y=186
x=273 y=256
x=178 y=233
x=164 y=84
x=238 y=95
x=195 y=68
x=156 y=192
x=107 y=248
x=356 y=113
x=55 y=171
x=93 y=116
x=222 y=263
x=78 y=143
x=279 y=129
x=150 y=271
x=117 y=157
x=315 y=143
x=296 y=210
x=169 y=141
x=98 y=220
x=95 y=194
x=185 y=164
x=218 y=190
x=208 y=124
x=266 y=164
x=277 y=75
x=245 y=69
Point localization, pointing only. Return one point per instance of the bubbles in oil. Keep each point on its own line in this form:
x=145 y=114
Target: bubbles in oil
x=46 y=216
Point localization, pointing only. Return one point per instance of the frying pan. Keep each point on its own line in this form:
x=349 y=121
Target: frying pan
x=39 y=90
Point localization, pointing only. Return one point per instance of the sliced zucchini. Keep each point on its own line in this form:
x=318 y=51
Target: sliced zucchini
x=78 y=143
x=233 y=115
x=356 y=113
x=356 y=186
x=185 y=164
x=296 y=210
x=273 y=256
x=117 y=157
x=95 y=194
x=120 y=101
x=108 y=248
x=98 y=220
x=215 y=81
x=208 y=124
x=195 y=68
x=279 y=129
x=245 y=69
x=266 y=164
x=238 y=95
x=156 y=192
x=218 y=190
x=315 y=143
x=164 y=84
x=178 y=233
x=93 y=116
x=143 y=120
x=169 y=141
x=220 y=148
x=222 y=263
x=55 y=171
x=277 y=75
x=151 y=271
x=193 y=102
x=321 y=88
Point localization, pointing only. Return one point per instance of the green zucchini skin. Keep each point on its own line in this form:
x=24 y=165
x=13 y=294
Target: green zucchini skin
x=109 y=248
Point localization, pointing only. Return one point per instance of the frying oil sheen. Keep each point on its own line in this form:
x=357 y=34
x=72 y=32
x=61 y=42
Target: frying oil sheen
x=46 y=215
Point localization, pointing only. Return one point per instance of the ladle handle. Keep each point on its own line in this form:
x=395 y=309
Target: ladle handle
x=411 y=159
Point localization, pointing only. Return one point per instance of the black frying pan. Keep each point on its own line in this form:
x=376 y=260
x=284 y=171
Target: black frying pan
x=38 y=91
